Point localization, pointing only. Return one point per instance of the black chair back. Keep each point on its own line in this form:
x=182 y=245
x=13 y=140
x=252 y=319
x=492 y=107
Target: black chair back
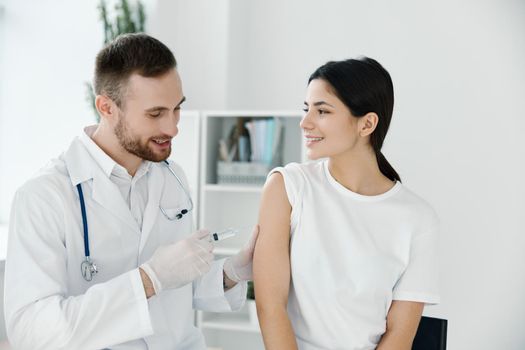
x=431 y=334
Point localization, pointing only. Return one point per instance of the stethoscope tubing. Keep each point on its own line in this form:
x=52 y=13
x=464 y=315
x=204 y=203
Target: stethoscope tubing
x=84 y=220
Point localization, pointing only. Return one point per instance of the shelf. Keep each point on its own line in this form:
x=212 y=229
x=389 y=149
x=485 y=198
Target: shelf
x=231 y=326
x=221 y=210
x=233 y=321
x=233 y=188
x=218 y=125
x=254 y=114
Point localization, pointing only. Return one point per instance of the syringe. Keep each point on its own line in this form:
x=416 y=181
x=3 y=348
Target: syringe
x=219 y=236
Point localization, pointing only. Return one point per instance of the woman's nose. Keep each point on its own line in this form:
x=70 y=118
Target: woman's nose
x=306 y=123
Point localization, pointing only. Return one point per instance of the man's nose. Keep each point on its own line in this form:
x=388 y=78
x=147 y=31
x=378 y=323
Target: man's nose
x=170 y=126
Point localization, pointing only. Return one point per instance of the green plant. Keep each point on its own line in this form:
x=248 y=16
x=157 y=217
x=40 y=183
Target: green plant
x=251 y=291
x=126 y=19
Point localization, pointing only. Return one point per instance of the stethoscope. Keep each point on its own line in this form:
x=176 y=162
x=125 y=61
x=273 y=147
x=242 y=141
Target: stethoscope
x=88 y=268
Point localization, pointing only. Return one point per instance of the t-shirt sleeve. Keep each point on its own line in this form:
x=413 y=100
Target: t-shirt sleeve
x=293 y=183
x=419 y=281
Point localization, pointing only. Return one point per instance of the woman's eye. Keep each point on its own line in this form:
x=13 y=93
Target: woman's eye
x=322 y=111
x=305 y=110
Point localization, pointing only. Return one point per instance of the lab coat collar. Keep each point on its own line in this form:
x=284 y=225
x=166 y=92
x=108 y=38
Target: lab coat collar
x=82 y=167
x=105 y=162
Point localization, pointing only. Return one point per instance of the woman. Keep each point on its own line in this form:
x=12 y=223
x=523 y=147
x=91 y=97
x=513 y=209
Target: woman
x=346 y=254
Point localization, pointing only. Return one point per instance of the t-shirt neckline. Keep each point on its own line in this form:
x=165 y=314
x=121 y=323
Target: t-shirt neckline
x=340 y=188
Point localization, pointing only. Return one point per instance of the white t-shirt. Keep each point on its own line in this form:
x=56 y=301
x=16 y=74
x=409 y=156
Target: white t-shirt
x=351 y=255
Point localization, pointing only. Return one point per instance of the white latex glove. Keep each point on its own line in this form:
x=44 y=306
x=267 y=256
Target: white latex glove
x=239 y=267
x=175 y=265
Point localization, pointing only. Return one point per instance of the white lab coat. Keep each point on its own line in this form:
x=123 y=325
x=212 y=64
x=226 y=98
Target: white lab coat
x=48 y=305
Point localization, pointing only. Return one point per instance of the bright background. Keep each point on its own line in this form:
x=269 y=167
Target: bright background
x=456 y=138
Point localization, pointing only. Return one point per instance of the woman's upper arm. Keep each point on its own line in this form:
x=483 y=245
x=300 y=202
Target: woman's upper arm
x=402 y=321
x=271 y=262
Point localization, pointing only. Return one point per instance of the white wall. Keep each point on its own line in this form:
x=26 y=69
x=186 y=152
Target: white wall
x=197 y=33
x=50 y=47
x=456 y=136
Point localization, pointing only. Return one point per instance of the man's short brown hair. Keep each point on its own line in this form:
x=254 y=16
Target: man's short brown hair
x=127 y=54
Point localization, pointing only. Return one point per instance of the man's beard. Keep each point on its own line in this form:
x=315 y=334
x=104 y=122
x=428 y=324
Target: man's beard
x=132 y=144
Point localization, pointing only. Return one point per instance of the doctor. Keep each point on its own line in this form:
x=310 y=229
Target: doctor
x=112 y=204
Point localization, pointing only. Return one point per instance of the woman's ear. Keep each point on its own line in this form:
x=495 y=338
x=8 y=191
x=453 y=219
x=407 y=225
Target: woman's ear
x=367 y=124
x=106 y=108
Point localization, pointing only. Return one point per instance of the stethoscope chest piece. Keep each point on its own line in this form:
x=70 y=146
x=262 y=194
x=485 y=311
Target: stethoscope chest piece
x=88 y=269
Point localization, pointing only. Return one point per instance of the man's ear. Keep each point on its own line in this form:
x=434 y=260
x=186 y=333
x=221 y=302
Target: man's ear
x=107 y=109
x=367 y=124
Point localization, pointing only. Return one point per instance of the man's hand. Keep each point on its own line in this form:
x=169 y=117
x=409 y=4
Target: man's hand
x=239 y=267
x=175 y=265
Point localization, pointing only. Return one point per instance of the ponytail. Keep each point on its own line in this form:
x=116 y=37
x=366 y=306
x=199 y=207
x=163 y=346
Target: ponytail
x=386 y=168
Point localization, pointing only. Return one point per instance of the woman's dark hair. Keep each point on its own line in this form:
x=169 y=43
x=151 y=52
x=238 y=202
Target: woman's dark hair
x=127 y=54
x=364 y=86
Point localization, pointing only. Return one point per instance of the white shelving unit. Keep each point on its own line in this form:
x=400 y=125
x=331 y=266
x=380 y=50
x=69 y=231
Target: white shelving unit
x=224 y=205
x=232 y=188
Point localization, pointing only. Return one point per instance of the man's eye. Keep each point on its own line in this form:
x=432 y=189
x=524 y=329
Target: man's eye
x=154 y=115
x=305 y=110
